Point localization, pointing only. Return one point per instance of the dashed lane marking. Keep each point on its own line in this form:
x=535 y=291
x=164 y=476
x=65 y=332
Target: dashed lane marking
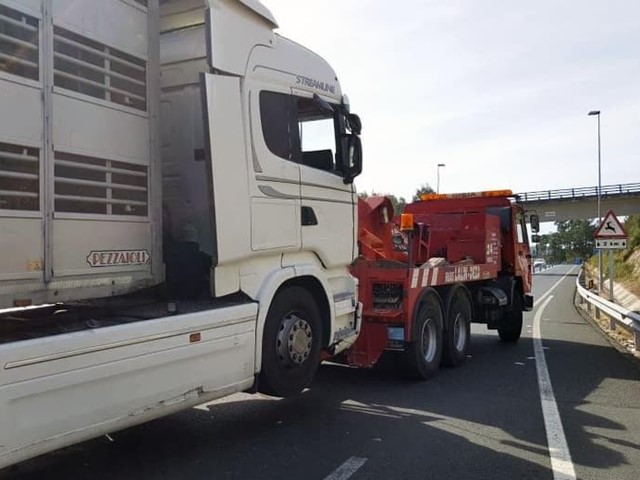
x=347 y=469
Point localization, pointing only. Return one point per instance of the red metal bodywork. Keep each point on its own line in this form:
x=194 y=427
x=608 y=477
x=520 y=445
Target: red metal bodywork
x=466 y=234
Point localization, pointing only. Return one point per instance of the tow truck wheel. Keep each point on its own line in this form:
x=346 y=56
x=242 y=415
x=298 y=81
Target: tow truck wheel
x=291 y=343
x=457 y=327
x=424 y=353
x=511 y=325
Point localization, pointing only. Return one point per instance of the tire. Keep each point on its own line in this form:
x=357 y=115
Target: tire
x=511 y=325
x=291 y=343
x=457 y=327
x=424 y=353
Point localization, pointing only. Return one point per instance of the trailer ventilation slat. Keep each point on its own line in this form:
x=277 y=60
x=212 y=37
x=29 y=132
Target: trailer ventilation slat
x=97 y=186
x=19 y=43
x=19 y=178
x=92 y=68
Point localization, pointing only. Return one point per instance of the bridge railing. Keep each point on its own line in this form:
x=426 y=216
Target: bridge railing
x=618 y=315
x=568 y=193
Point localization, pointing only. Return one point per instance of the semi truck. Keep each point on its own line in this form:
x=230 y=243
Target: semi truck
x=177 y=213
x=425 y=275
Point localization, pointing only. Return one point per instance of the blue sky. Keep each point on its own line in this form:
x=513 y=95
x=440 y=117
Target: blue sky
x=498 y=90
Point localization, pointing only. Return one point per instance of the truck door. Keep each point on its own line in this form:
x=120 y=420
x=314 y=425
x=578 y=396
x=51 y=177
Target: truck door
x=275 y=193
x=522 y=253
x=327 y=204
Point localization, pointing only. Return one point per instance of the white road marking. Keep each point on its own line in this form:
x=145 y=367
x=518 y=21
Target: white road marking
x=561 y=463
x=553 y=287
x=347 y=469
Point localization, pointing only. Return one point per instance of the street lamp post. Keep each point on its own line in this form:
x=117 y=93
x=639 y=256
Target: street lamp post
x=438 y=184
x=600 y=273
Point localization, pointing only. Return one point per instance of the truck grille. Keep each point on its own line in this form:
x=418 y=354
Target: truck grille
x=94 y=185
x=91 y=68
x=387 y=296
x=19 y=44
x=19 y=178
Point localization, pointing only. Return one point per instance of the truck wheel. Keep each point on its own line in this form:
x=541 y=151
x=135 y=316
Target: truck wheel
x=457 y=328
x=511 y=325
x=424 y=353
x=291 y=343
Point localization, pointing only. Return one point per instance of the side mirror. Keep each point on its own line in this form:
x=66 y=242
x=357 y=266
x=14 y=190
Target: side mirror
x=535 y=222
x=535 y=238
x=353 y=158
x=354 y=123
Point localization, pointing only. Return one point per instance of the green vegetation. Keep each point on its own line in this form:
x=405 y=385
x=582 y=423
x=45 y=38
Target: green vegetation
x=625 y=262
x=399 y=202
x=573 y=240
x=422 y=190
x=632 y=226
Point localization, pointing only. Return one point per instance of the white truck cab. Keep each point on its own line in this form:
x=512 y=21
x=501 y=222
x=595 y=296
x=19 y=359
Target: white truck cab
x=177 y=213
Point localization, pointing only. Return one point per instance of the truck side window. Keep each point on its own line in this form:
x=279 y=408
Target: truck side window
x=296 y=129
x=277 y=116
x=521 y=228
x=317 y=136
x=505 y=217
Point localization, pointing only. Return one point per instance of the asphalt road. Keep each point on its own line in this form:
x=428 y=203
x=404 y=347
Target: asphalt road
x=486 y=419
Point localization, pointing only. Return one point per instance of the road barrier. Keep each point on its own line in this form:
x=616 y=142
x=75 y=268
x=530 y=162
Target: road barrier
x=618 y=315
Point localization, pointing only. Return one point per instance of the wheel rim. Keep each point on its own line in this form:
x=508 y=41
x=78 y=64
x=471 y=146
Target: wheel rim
x=294 y=340
x=429 y=341
x=459 y=332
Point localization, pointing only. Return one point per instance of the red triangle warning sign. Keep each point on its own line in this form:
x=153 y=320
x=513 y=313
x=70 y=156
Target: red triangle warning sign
x=610 y=227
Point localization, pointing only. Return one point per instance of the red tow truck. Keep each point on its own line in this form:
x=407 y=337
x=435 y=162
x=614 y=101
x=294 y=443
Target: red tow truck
x=427 y=274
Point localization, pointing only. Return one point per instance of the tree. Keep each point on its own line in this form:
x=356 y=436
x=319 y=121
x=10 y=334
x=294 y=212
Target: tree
x=574 y=239
x=422 y=190
x=397 y=202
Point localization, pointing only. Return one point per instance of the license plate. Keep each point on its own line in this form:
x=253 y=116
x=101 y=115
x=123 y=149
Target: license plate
x=395 y=338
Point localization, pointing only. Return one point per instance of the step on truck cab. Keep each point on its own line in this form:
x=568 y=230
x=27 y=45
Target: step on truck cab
x=177 y=213
x=427 y=274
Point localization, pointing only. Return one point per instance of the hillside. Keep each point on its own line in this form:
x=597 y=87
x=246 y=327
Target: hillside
x=627 y=262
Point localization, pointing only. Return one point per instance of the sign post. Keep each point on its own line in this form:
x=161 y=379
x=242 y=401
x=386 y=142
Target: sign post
x=611 y=235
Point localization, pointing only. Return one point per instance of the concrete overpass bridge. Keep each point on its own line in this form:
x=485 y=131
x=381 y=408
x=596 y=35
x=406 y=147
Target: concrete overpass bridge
x=582 y=203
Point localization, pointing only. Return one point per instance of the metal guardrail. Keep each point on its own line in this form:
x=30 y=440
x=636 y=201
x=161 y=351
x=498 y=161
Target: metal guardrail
x=618 y=315
x=569 y=193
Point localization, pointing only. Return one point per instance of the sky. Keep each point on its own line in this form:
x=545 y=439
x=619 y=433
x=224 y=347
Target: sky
x=497 y=90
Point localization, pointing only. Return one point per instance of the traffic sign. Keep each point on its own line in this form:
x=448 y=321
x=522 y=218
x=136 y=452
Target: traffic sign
x=611 y=243
x=611 y=228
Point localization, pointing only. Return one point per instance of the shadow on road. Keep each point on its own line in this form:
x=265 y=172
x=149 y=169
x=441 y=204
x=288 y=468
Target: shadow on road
x=550 y=274
x=482 y=420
